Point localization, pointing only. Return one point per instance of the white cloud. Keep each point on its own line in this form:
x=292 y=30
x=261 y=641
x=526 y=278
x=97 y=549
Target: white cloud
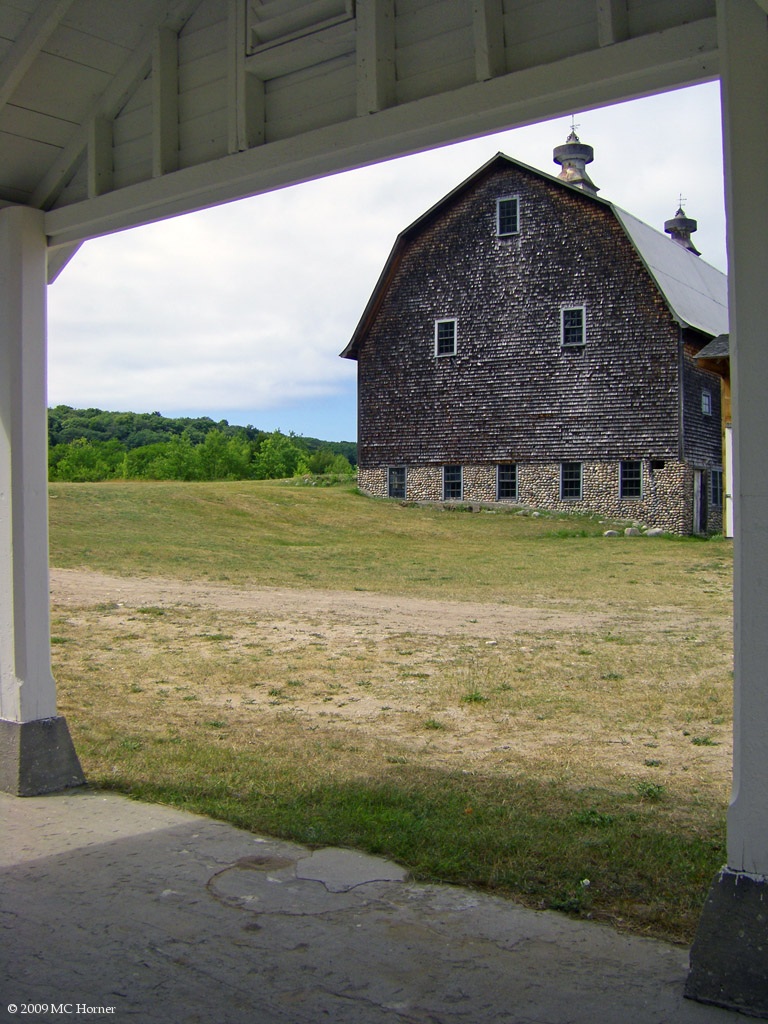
x=241 y=311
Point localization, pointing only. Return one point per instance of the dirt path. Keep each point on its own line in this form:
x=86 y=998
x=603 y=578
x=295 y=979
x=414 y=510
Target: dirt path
x=379 y=666
x=379 y=614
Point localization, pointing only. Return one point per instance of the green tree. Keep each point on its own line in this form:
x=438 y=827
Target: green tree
x=341 y=465
x=83 y=460
x=277 y=457
x=222 y=458
x=178 y=461
x=146 y=463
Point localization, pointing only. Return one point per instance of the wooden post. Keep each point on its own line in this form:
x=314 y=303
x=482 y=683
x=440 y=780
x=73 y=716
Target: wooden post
x=36 y=753
x=729 y=966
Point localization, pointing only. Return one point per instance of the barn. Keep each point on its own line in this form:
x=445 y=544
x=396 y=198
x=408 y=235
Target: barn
x=116 y=114
x=530 y=343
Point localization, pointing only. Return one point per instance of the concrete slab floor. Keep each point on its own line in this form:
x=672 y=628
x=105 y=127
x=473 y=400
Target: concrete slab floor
x=130 y=911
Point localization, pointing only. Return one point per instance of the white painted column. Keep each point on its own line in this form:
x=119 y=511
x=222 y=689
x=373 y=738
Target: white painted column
x=744 y=38
x=729 y=966
x=36 y=751
x=27 y=689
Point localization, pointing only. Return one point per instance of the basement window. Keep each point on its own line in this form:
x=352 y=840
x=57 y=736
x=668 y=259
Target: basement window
x=570 y=481
x=452 y=483
x=506 y=482
x=445 y=337
x=631 y=479
x=507 y=216
x=716 y=487
x=573 y=326
x=396 y=482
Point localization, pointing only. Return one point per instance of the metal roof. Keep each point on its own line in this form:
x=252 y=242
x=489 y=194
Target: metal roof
x=695 y=291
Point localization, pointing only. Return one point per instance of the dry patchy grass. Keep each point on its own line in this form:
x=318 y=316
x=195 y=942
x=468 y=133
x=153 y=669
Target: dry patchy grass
x=577 y=729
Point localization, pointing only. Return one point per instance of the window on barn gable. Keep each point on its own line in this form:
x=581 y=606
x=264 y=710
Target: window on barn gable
x=396 y=482
x=573 y=325
x=452 y=483
x=631 y=479
x=507 y=216
x=706 y=403
x=445 y=337
x=570 y=481
x=506 y=481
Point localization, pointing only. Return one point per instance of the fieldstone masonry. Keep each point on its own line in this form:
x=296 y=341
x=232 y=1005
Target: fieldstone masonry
x=666 y=504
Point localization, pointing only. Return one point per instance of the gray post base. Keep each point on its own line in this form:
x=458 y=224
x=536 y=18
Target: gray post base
x=37 y=757
x=729 y=956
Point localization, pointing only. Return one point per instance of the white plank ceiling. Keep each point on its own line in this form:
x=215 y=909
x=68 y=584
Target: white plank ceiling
x=118 y=112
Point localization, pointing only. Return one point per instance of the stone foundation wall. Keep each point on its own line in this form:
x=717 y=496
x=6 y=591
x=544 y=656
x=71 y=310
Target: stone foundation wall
x=667 y=501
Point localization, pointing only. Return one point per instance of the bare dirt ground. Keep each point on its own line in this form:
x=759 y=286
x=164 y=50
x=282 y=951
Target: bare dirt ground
x=344 y=612
x=270 y=652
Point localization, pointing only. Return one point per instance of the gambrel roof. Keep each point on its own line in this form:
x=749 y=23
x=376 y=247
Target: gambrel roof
x=695 y=292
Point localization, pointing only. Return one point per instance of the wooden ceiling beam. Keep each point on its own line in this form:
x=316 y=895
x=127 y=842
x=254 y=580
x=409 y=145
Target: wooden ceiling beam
x=375 y=55
x=33 y=37
x=125 y=81
x=670 y=59
x=488 y=28
x=245 y=90
x=165 y=102
x=612 y=21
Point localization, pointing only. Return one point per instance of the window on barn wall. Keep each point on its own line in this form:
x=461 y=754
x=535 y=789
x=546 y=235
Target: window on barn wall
x=506 y=481
x=452 y=483
x=716 y=487
x=396 y=482
x=631 y=479
x=445 y=337
x=507 y=216
x=573 y=325
x=570 y=481
x=706 y=403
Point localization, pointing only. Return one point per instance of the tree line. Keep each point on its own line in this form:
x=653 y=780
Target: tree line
x=91 y=445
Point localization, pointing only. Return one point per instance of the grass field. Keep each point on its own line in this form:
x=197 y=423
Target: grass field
x=510 y=702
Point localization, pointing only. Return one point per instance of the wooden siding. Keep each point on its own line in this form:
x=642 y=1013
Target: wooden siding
x=203 y=125
x=656 y=15
x=132 y=138
x=512 y=391
x=702 y=443
x=541 y=31
x=432 y=45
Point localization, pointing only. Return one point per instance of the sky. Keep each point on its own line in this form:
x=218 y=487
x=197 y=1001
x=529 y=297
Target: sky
x=240 y=312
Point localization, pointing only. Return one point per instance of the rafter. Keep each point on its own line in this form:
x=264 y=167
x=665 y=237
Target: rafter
x=165 y=102
x=33 y=37
x=375 y=48
x=99 y=156
x=663 y=60
x=488 y=23
x=245 y=104
x=136 y=67
x=612 y=21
